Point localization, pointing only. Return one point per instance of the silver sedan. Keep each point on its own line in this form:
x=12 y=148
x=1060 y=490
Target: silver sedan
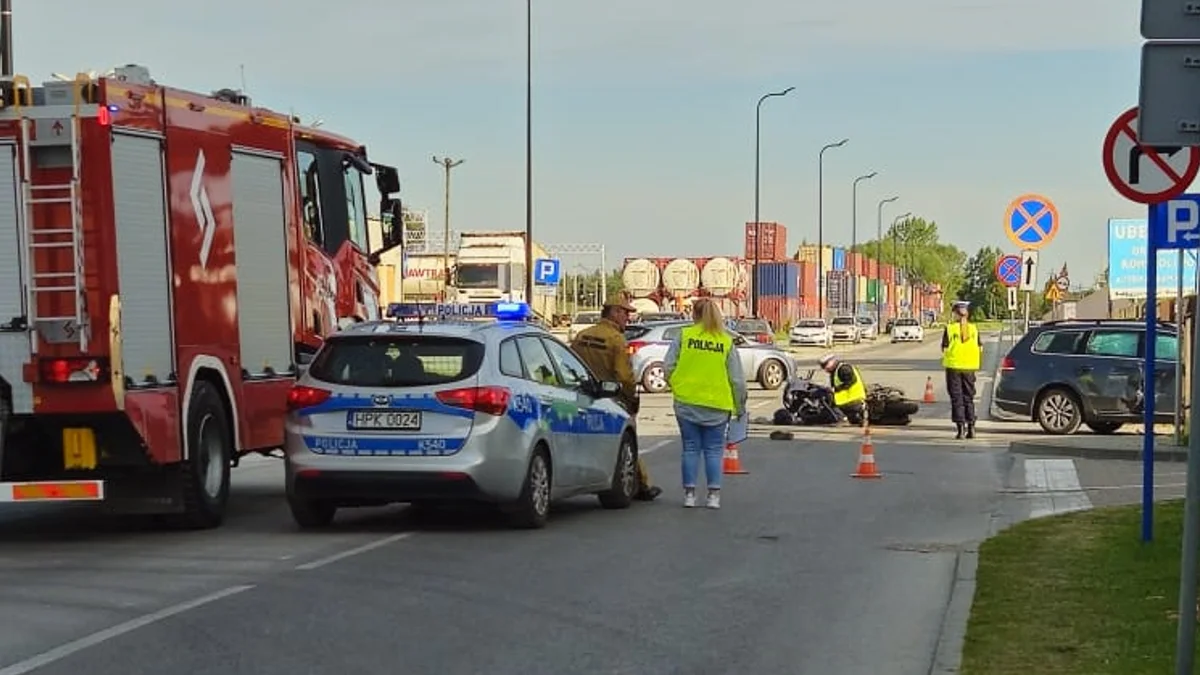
x=768 y=365
x=496 y=411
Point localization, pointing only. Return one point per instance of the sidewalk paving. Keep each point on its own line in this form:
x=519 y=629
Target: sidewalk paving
x=1125 y=446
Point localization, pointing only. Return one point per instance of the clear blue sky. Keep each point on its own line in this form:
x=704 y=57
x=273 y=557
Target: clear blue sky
x=644 y=111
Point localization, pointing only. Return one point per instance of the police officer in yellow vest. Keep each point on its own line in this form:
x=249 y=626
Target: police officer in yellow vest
x=708 y=384
x=849 y=388
x=962 y=356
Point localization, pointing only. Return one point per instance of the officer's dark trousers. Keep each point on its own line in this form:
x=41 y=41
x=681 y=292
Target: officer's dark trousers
x=961 y=386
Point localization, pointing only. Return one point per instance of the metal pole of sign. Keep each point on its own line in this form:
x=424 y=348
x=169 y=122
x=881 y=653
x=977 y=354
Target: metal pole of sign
x=1185 y=641
x=1178 y=351
x=1027 y=295
x=1148 y=386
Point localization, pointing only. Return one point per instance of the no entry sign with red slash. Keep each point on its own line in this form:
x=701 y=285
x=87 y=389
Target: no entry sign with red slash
x=1145 y=174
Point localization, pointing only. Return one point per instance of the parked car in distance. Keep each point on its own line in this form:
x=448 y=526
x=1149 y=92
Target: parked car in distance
x=907 y=329
x=581 y=322
x=813 y=332
x=867 y=327
x=845 y=329
x=765 y=364
x=757 y=330
x=1062 y=374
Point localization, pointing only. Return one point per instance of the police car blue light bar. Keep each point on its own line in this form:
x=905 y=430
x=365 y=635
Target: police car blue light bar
x=512 y=311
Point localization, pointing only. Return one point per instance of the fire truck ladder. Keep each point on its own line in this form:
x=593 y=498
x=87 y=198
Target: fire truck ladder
x=56 y=235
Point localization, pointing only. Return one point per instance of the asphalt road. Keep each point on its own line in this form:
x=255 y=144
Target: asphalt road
x=804 y=570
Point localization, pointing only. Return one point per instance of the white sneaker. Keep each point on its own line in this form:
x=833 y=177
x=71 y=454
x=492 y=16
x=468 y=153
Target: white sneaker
x=689 y=499
x=713 y=500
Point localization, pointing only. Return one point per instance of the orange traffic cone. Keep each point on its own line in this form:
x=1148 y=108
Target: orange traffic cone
x=929 y=390
x=866 y=459
x=732 y=463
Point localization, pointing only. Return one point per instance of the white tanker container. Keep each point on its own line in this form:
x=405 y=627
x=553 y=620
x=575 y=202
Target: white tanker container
x=720 y=277
x=681 y=277
x=645 y=306
x=640 y=277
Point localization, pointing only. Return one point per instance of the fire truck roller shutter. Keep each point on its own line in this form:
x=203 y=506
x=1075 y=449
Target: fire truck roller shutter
x=14 y=344
x=260 y=247
x=143 y=275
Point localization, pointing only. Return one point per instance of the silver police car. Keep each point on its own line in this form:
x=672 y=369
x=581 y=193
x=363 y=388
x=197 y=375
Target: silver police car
x=445 y=408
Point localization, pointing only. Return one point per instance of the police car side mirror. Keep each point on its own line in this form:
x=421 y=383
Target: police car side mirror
x=608 y=389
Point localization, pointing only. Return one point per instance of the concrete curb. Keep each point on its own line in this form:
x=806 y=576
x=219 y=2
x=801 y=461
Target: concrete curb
x=1044 y=448
x=947 y=655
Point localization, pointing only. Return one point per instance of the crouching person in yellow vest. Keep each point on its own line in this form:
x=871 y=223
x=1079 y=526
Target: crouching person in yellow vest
x=708 y=384
x=962 y=356
x=849 y=389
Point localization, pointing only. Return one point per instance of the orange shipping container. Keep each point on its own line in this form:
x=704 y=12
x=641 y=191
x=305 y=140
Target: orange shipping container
x=808 y=280
x=780 y=312
x=774 y=242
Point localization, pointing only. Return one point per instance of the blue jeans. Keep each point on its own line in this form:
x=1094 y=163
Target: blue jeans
x=706 y=439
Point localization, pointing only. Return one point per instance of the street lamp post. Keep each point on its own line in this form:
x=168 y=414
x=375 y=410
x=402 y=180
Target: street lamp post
x=895 y=236
x=821 y=221
x=879 y=256
x=757 y=145
x=447 y=164
x=854 y=207
x=529 y=152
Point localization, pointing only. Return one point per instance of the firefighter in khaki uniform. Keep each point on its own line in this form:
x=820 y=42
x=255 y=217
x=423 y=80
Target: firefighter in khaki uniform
x=962 y=356
x=602 y=347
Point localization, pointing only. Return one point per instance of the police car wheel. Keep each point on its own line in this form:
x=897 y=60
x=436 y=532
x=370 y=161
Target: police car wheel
x=310 y=513
x=625 y=478
x=532 y=509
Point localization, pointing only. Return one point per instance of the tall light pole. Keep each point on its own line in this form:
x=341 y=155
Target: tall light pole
x=854 y=207
x=447 y=164
x=879 y=256
x=757 y=144
x=821 y=221
x=895 y=258
x=529 y=152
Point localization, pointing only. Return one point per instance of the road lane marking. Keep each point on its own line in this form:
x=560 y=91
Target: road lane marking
x=1055 y=487
x=656 y=446
x=63 y=651
x=350 y=553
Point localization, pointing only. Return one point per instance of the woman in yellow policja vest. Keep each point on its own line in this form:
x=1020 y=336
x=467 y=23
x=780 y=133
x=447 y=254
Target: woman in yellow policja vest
x=709 y=386
x=962 y=356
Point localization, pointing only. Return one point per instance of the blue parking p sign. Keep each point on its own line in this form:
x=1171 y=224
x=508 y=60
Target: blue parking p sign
x=547 y=271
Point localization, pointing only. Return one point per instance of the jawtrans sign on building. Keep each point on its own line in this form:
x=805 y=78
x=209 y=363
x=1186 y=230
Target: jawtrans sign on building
x=168 y=262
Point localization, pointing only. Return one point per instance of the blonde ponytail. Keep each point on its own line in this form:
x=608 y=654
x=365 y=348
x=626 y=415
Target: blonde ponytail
x=706 y=313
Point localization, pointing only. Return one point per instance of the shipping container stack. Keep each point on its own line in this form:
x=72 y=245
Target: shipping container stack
x=774 y=242
x=778 y=285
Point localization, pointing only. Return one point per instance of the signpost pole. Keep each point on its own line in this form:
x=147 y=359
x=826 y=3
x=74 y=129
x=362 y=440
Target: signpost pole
x=1148 y=385
x=1179 y=351
x=1185 y=641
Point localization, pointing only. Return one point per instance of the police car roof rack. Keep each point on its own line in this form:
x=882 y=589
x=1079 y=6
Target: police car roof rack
x=432 y=312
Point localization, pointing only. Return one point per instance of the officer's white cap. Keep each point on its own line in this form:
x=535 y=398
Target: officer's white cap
x=827 y=359
x=961 y=303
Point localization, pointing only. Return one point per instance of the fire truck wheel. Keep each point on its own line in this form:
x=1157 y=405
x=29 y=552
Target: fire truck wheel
x=205 y=473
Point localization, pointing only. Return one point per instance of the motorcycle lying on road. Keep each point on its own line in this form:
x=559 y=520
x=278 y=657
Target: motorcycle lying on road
x=807 y=403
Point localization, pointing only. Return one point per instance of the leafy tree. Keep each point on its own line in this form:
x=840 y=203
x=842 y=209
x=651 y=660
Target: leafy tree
x=988 y=297
x=914 y=245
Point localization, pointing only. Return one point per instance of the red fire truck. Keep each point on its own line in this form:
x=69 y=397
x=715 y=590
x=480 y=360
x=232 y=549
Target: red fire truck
x=168 y=262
